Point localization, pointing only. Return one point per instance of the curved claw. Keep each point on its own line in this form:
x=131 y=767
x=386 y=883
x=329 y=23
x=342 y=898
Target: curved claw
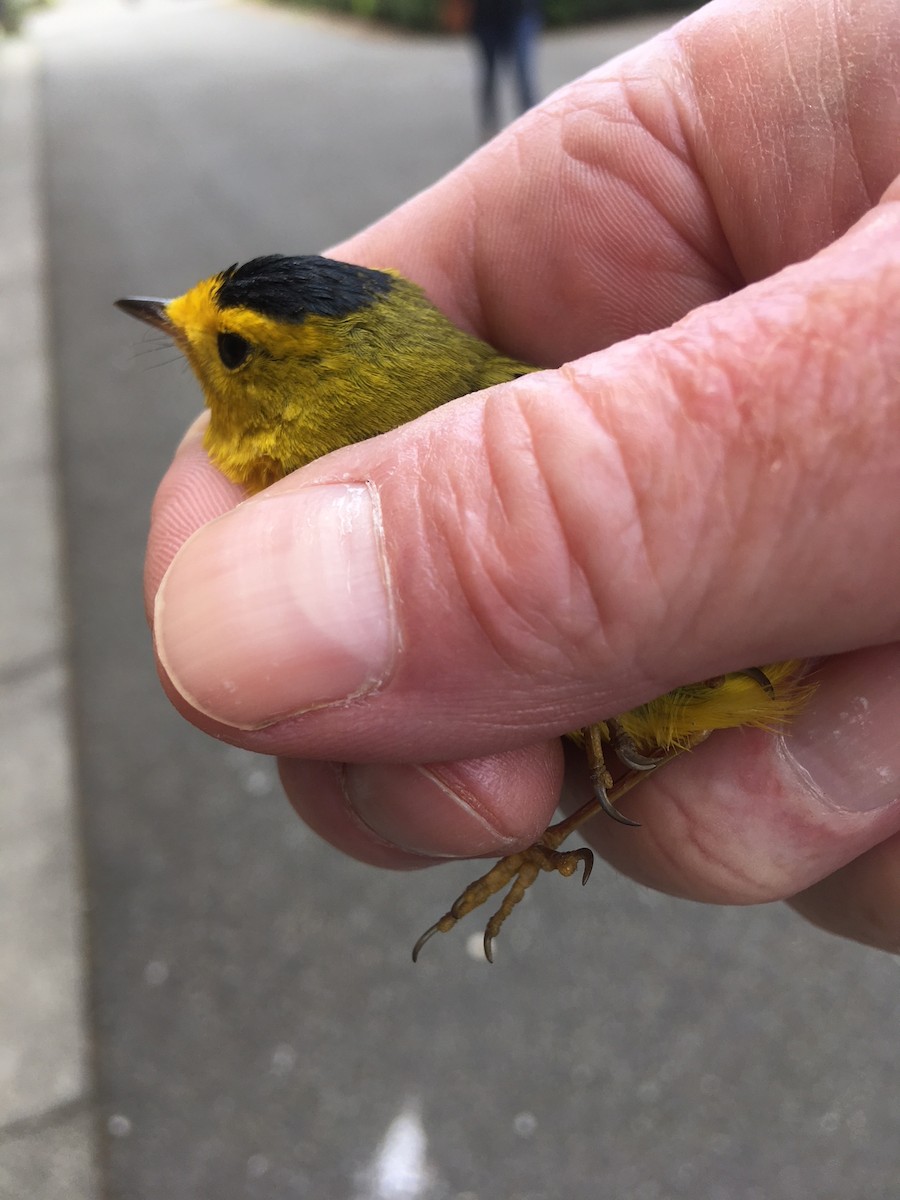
x=759 y=677
x=599 y=773
x=426 y=937
x=568 y=863
x=444 y=925
x=632 y=758
x=611 y=811
x=489 y=946
x=627 y=752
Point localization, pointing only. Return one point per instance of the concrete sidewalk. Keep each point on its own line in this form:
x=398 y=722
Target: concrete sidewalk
x=46 y=1123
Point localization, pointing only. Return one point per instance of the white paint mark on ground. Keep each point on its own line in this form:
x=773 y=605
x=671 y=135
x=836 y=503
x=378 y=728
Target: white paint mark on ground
x=399 y=1169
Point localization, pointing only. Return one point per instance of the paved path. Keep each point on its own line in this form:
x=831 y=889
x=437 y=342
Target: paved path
x=46 y=1127
x=257 y=1028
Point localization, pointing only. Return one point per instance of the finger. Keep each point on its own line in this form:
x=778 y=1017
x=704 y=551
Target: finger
x=662 y=180
x=860 y=901
x=555 y=551
x=192 y=493
x=748 y=818
x=405 y=816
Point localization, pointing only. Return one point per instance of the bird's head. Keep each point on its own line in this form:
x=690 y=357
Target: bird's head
x=264 y=340
x=300 y=356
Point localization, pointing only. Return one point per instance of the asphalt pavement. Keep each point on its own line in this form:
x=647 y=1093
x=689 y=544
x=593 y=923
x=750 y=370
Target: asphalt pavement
x=253 y=1025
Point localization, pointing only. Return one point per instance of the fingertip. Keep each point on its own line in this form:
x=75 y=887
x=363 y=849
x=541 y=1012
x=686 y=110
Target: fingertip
x=493 y=805
x=861 y=901
x=194 y=435
x=191 y=494
x=316 y=795
x=407 y=815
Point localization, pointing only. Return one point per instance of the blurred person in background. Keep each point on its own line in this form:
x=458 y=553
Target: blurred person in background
x=506 y=34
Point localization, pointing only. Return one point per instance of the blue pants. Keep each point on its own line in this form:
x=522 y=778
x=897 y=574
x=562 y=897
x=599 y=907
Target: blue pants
x=516 y=47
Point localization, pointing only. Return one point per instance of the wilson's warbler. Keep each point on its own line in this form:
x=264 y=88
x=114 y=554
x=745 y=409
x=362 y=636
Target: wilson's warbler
x=299 y=356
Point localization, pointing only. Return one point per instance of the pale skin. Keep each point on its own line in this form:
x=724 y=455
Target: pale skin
x=720 y=493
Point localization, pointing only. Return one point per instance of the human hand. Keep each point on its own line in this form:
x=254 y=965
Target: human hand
x=718 y=493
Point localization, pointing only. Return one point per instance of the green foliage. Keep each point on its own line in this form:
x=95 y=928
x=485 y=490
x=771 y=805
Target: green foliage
x=582 y=12
x=409 y=14
x=10 y=16
x=13 y=12
x=425 y=15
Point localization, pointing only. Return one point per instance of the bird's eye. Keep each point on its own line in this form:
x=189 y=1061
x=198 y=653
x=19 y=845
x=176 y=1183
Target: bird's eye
x=233 y=350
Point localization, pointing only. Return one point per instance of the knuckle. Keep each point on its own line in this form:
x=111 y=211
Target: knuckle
x=552 y=558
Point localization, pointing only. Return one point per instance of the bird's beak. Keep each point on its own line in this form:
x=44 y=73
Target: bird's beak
x=145 y=308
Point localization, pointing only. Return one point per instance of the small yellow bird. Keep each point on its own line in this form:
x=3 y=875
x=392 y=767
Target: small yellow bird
x=298 y=356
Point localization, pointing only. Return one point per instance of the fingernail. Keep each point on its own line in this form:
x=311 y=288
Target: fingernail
x=414 y=808
x=280 y=606
x=845 y=741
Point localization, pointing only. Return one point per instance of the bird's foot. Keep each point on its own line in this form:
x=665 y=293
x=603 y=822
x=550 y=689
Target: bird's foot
x=520 y=870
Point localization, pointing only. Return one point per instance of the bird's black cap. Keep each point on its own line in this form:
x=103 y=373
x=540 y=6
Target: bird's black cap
x=293 y=288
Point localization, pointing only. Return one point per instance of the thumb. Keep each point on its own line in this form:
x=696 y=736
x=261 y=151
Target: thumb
x=557 y=549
